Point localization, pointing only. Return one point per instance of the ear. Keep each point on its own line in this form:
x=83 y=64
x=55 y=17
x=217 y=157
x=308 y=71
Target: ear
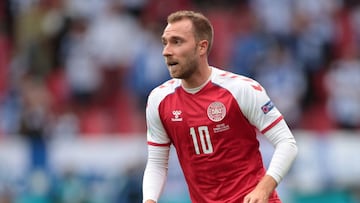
x=203 y=47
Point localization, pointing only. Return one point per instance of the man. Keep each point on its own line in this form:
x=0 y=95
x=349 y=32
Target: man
x=212 y=117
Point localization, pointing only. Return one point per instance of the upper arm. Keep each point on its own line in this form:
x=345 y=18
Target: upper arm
x=256 y=105
x=155 y=130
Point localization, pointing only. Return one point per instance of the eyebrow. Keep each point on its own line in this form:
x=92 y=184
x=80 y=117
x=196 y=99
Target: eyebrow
x=172 y=38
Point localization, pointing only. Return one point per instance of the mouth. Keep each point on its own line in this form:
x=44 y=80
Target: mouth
x=172 y=63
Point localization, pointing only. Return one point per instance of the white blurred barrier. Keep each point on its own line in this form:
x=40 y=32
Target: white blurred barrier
x=325 y=160
x=108 y=155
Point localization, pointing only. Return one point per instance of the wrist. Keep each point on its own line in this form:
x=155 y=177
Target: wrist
x=268 y=184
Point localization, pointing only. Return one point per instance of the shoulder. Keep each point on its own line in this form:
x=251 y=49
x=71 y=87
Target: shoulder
x=234 y=82
x=163 y=90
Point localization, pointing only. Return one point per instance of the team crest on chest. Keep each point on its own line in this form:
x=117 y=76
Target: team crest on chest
x=216 y=111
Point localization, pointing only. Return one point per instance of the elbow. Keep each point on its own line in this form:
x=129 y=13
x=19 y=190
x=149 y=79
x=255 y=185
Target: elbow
x=295 y=149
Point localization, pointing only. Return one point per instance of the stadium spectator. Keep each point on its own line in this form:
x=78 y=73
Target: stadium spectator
x=281 y=74
x=342 y=82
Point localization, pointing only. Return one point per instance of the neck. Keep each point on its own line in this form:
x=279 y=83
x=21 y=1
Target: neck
x=198 y=78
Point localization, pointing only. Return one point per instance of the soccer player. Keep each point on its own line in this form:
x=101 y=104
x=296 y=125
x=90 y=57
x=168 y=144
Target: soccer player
x=212 y=118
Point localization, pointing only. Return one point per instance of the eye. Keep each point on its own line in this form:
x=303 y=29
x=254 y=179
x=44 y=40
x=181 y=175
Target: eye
x=177 y=41
x=164 y=42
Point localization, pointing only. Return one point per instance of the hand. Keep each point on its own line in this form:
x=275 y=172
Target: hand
x=262 y=191
x=150 y=201
x=257 y=196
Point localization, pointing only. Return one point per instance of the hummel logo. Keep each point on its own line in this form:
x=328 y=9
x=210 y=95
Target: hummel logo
x=176 y=114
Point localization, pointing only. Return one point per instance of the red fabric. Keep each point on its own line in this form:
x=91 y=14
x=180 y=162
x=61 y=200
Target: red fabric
x=209 y=143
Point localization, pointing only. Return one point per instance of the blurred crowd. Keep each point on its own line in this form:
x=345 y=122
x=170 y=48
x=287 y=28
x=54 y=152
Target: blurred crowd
x=85 y=67
x=72 y=67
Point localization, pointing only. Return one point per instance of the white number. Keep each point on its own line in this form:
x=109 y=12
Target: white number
x=204 y=135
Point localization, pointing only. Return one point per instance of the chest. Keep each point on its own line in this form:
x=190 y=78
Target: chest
x=206 y=122
x=207 y=108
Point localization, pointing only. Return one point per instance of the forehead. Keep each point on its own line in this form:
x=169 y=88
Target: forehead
x=182 y=28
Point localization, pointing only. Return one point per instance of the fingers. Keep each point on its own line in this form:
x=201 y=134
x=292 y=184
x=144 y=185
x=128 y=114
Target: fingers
x=249 y=199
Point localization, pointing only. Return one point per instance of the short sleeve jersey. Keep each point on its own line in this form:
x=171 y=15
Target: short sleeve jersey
x=214 y=133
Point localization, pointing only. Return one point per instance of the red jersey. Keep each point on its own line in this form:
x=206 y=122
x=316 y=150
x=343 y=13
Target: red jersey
x=214 y=133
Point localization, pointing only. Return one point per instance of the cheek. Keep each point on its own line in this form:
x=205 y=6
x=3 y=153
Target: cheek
x=190 y=53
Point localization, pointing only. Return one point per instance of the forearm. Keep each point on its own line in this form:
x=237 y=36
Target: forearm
x=155 y=173
x=285 y=151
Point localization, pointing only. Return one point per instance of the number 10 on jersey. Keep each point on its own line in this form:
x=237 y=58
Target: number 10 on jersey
x=202 y=132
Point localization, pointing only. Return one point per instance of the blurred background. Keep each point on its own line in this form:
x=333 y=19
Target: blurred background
x=75 y=74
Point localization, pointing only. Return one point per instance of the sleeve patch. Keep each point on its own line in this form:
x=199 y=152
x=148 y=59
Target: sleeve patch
x=266 y=108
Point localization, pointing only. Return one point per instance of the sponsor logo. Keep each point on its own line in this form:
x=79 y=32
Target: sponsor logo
x=177 y=115
x=267 y=107
x=216 y=111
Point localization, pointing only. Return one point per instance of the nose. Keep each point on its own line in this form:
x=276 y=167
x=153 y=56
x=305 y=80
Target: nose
x=166 y=51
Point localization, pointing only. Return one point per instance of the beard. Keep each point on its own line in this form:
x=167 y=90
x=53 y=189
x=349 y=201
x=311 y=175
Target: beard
x=185 y=70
